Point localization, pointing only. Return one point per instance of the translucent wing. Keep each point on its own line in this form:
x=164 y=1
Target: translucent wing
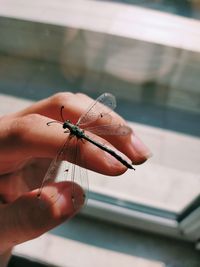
x=76 y=175
x=61 y=171
x=79 y=175
x=54 y=166
x=110 y=129
x=54 y=170
x=103 y=105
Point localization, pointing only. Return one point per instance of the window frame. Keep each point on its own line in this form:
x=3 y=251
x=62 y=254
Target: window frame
x=185 y=225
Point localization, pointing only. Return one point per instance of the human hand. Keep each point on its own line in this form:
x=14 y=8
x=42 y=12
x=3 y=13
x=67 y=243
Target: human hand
x=28 y=146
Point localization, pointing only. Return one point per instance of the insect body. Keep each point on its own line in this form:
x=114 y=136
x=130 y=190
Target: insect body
x=79 y=133
x=74 y=129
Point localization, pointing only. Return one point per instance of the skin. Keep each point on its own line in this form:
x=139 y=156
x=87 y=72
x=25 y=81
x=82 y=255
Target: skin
x=27 y=147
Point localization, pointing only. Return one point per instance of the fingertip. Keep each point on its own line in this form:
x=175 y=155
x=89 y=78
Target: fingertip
x=101 y=161
x=30 y=216
x=64 y=199
x=67 y=198
x=138 y=151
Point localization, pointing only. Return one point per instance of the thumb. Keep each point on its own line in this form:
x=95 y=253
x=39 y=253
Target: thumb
x=29 y=216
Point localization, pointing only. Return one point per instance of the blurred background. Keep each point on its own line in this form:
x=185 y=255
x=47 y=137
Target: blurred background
x=146 y=53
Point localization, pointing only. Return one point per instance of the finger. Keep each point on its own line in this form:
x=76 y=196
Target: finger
x=23 y=180
x=34 y=138
x=51 y=107
x=29 y=217
x=130 y=144
x=75 y=106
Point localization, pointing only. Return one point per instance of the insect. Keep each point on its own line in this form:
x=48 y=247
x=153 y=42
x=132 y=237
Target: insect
x=99 y=113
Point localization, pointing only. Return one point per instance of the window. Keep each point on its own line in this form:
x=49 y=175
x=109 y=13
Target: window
x=150 y=61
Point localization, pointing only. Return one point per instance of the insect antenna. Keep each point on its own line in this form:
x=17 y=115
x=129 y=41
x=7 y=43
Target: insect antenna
x=50 y=122
x=61 y=113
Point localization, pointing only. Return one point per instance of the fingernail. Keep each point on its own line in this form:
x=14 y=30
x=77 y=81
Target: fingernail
x=140 y=147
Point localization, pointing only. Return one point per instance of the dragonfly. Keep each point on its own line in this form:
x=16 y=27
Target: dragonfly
x=98 y=113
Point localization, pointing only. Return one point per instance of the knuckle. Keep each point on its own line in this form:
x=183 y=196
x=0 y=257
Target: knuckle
x=21 y=126
x=31 y=119
x=15 y=133
x=80 y=95
x=85 y=99
x=83 y=96
x=63 y=97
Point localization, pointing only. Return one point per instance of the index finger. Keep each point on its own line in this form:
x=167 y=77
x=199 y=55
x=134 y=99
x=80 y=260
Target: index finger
x=75 y=105
x=34 y=138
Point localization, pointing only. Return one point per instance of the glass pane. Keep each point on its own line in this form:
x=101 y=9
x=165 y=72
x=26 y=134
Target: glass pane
x=156 y=85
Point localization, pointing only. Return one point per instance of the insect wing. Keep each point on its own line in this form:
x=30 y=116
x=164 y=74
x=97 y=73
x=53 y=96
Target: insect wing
x=79 y=175
x=54 y=172
x=113 y=129
x=61 y=170
x=103 y=105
